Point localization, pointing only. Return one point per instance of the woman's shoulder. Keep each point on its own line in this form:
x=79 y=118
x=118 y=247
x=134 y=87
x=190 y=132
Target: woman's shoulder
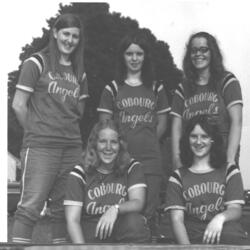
x=226 y=77
x=80 y=172
x=40 y=59
x=133 y=164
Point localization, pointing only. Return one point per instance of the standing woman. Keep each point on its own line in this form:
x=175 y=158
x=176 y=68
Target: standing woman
x=207 y=89
x=140 y=106
x=49 y=103
x=206 y=195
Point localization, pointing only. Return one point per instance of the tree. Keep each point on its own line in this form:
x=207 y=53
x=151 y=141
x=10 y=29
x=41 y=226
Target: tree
x=103 y=31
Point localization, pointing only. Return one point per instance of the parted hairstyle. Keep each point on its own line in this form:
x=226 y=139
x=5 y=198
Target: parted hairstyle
x=216 y=64
x=91 y=160
x=217 y=151
x=140 y=39
x=77 y=56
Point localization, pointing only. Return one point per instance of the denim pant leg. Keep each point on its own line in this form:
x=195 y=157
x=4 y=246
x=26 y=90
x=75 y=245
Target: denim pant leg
x=153 y=194
x=234 y=234
x=89 y=228
x=69 y=158
x=40 y=166
x=152 y=202
x=131 y=228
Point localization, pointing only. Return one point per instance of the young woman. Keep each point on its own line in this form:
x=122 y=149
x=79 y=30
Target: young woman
x=140 y=106
x=108 y=189
x=207 y=89
x=205 y=196
x=49 y=103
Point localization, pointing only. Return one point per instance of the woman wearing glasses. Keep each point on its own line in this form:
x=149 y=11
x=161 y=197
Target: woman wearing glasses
x=207 y=89
x=205 y=196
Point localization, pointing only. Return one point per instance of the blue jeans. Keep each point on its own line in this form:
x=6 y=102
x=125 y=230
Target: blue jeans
x=45 y=172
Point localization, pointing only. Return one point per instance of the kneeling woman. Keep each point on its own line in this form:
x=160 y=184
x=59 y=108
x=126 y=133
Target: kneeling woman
x=204 y=191
x=105 y=195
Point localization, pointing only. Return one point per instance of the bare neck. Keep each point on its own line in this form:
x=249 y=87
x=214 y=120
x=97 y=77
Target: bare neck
x=134 y=79
x=203 y=77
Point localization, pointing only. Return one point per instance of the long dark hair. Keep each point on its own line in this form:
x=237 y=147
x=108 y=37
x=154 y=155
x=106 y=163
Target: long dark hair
x=139 y=39
x=216 y=64
x=217 y=152
x=91 y=160
x=67 y=21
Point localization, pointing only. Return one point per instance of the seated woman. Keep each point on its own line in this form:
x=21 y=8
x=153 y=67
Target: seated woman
x=105 y=195
x=205 y=197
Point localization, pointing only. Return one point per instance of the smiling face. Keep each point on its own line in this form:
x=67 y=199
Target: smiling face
x=67 y=39
x=108 y=146
x=134 y=57
x=200 y=53
x=200 y=142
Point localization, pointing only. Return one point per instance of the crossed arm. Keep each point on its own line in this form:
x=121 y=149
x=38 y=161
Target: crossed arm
x=106 y=222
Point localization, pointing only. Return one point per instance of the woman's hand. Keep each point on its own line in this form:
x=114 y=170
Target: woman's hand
x=106 y=223
x=214 y=229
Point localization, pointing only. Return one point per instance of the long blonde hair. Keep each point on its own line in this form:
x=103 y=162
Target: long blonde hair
x=91 y=160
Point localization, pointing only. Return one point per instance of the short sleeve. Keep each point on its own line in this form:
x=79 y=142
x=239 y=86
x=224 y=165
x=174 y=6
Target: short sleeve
x=231 y=90
x=107 y=99
x=30 y=73
x=84 y=92
x=135 y=175
x=178 y=101
x=234 y=186
x=162 y=101
x=174 y=198
x=75 y=189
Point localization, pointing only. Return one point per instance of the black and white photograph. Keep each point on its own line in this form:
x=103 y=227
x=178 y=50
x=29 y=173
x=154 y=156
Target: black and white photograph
x=126 y=124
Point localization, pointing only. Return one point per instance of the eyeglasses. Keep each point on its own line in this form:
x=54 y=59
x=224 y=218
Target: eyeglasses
x=202 y=50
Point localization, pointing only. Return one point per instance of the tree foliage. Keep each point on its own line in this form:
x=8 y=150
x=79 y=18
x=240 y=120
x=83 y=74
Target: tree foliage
x=102 y=31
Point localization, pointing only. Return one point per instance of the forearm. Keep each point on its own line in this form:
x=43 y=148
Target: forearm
x=161 y=125
x=105 y=116
x=233 y=140
x=230 y=214
x=81 y=107
x=75 y=232
x=180 y=232
x=175 y=142
x=20 y=106
x=134 y=205
x=21 y=114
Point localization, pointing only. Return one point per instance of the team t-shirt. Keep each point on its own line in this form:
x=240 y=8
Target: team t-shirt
x=53 y=108
x=97 y=192
x=203 y=100
x=203 y=195
x=136 y=109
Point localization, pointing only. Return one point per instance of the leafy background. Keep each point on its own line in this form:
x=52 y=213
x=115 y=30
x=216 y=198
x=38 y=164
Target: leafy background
x=103 y=31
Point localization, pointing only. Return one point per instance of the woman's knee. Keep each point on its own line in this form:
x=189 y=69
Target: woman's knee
x=132 y=227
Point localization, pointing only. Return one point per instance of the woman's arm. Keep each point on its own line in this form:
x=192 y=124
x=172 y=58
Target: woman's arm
x=135 y=203
x=81 y=106
x=161 y=124
x=73 y=218
x=179 y=229
x=104 y=116
x=215 y=226
x=235 y=114
x=19 y=105
x=176 y=136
